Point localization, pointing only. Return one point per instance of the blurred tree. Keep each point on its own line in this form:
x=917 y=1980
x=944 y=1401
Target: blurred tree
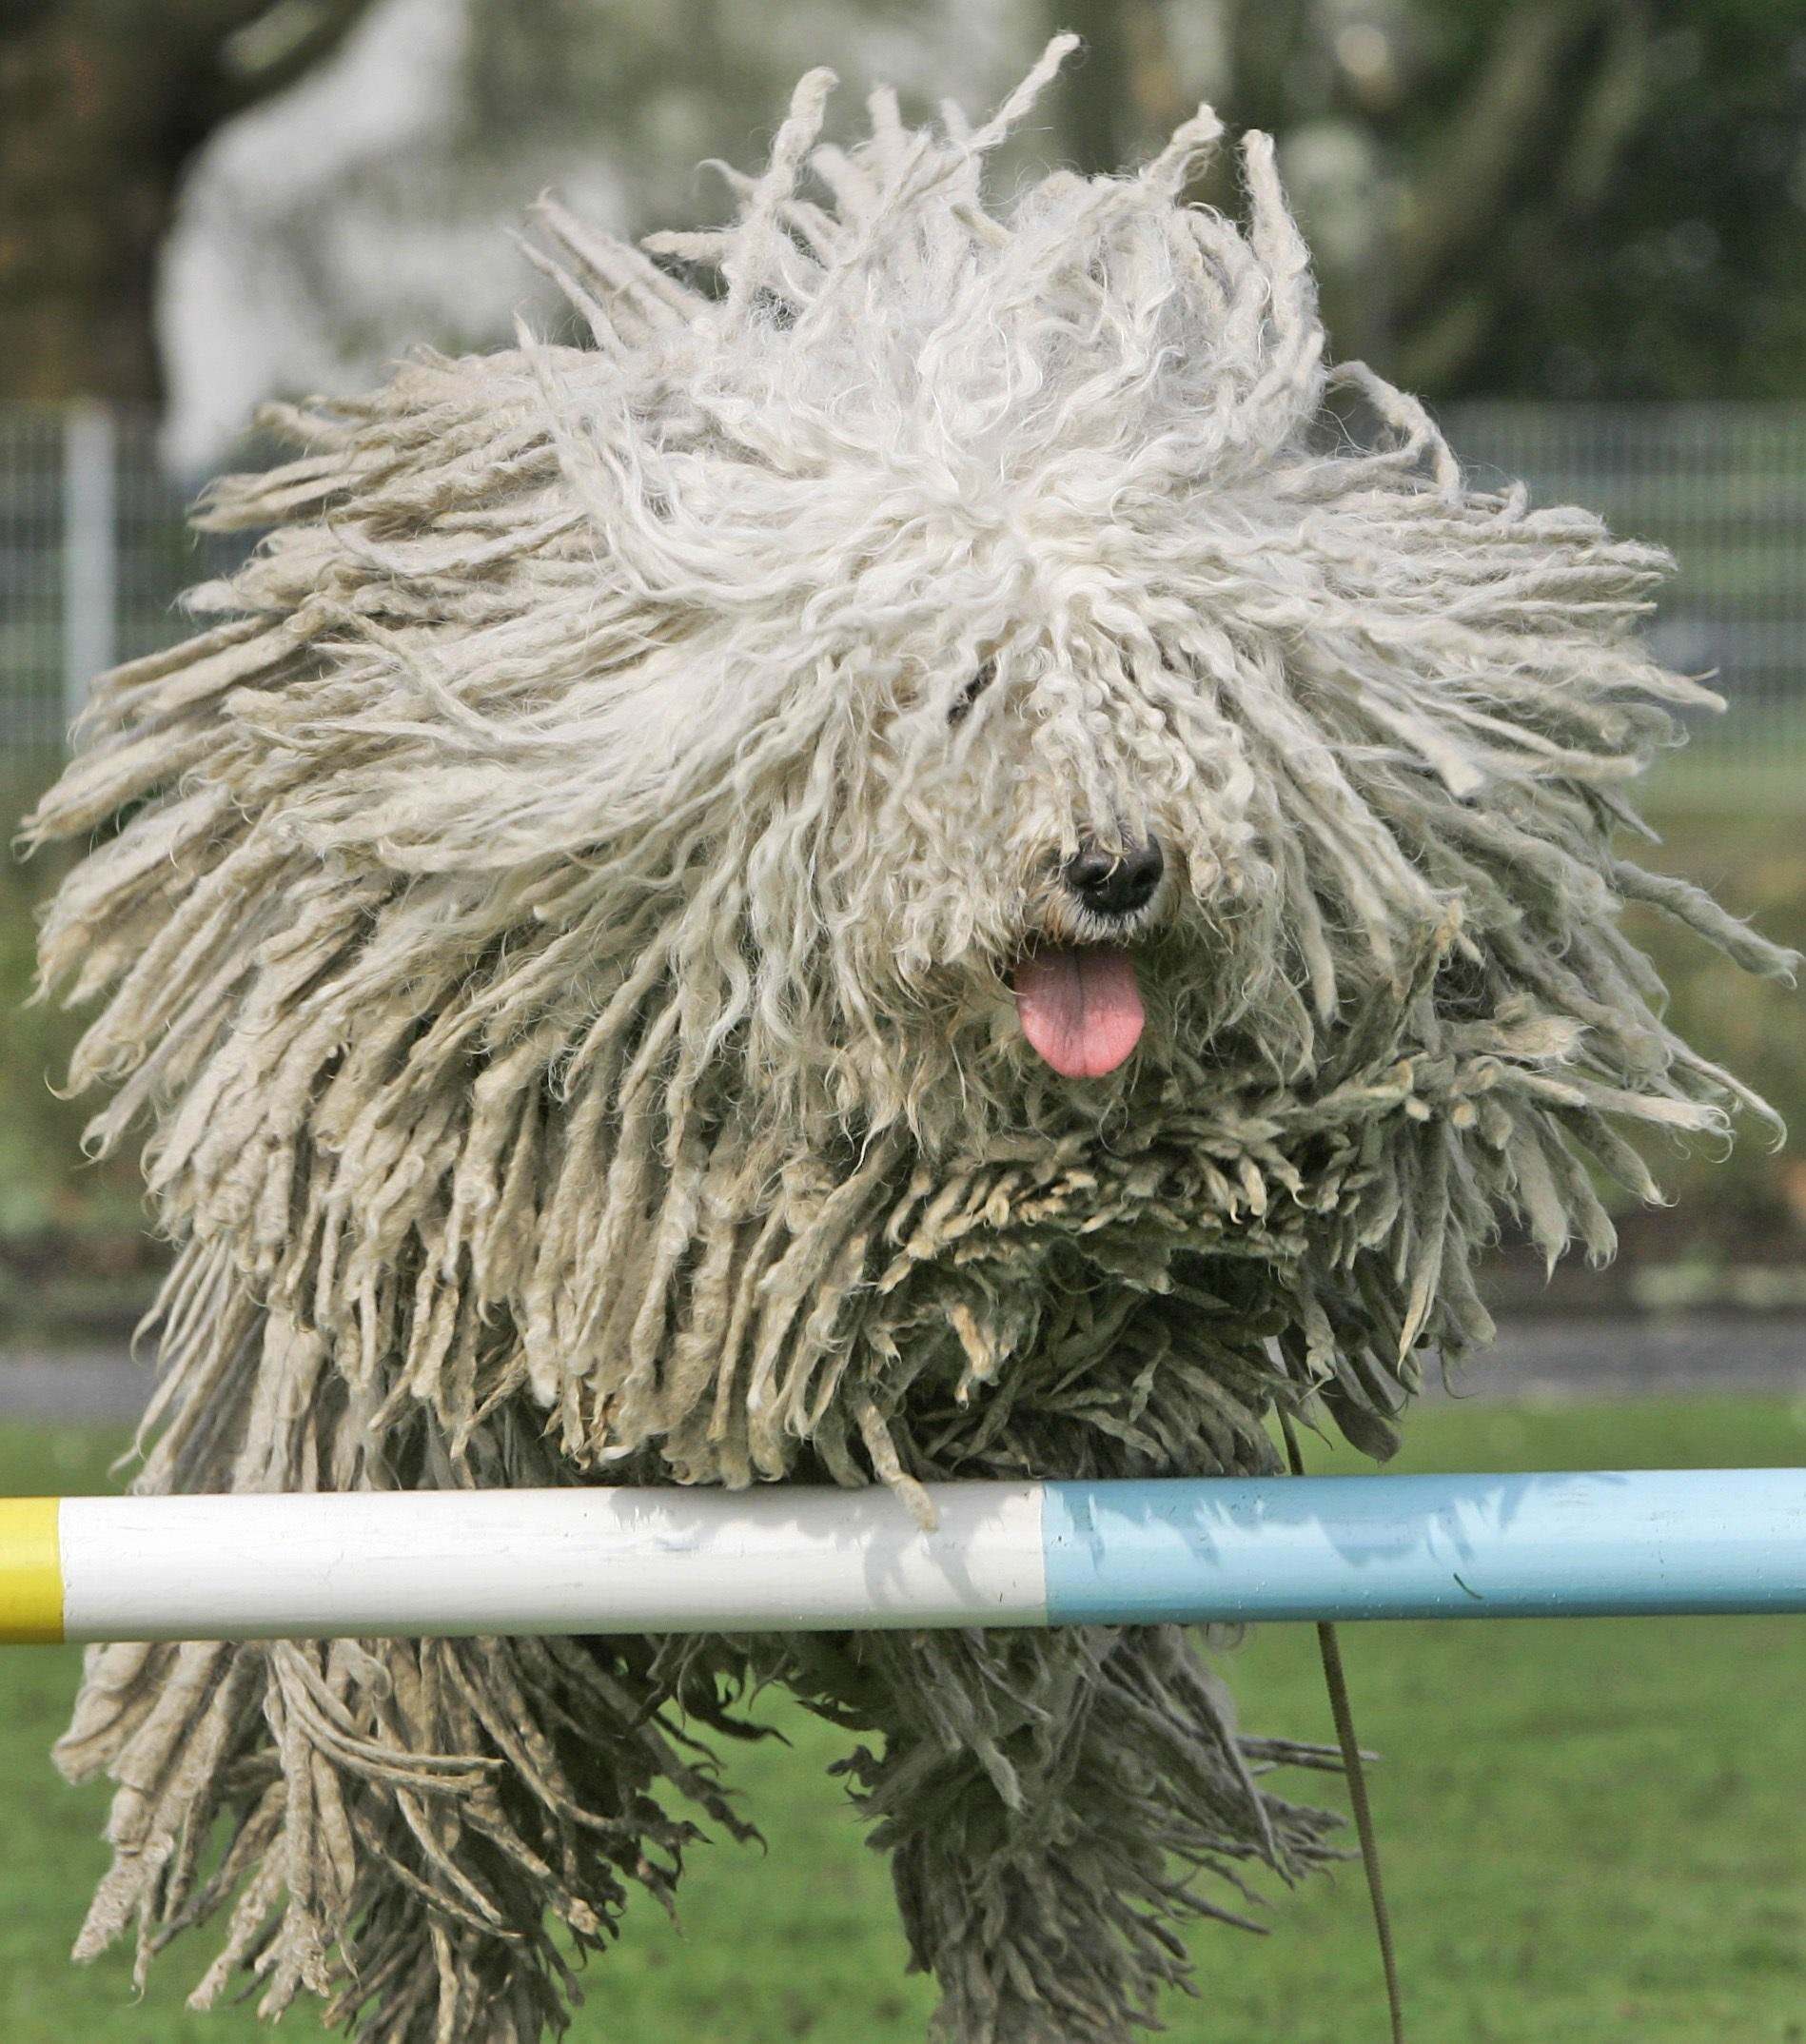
x=1535 y=197
x=1531 y=197
x=332 y=229
x=103 y=105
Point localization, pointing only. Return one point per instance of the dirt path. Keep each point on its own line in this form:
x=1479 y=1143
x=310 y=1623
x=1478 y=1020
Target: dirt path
x=1540 y=1358
x=1667 y=1356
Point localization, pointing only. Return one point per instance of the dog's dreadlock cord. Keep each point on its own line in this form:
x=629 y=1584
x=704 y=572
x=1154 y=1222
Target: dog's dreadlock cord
x=1336 y=1681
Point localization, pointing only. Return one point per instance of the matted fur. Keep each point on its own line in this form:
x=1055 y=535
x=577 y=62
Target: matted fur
x=557 y=926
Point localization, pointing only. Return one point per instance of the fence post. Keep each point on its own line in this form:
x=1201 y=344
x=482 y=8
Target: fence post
x=91 y=582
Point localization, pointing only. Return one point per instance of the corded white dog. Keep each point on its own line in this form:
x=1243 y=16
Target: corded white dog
x=915 y=865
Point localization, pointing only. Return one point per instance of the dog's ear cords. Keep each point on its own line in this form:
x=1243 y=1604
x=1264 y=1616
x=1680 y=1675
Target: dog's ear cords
x=1336 y=1681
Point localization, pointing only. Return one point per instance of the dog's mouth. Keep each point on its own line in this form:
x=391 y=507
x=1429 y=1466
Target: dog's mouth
x=1080 y=1007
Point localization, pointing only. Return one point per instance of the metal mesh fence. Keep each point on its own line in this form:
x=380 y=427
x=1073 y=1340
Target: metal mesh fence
x=94 y=551
x=32 y=603
x=1723 y=487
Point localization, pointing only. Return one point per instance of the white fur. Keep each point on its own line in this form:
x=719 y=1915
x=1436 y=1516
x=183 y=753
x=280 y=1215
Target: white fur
x=561 y=921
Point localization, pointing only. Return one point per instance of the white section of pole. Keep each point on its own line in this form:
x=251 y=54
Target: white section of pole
x=91 y=578
x=363 y=1564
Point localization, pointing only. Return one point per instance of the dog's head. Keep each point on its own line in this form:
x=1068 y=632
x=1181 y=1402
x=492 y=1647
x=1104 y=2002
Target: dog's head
x=959 y=676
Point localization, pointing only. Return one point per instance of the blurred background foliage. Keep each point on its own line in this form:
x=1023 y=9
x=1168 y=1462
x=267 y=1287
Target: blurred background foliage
x=1539 y=198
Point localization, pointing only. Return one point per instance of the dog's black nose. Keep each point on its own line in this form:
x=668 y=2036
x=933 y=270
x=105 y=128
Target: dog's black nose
x=1110 y=886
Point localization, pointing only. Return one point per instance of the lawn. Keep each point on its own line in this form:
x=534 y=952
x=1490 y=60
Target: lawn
x=1593 y=1831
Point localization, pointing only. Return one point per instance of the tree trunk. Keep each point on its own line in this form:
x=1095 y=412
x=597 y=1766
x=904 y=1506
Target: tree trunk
x=103 y=104
x=87 y=190
x=1120 y=100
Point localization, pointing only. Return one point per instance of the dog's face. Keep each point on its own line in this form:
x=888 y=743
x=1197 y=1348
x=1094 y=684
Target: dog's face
x=1007 y=683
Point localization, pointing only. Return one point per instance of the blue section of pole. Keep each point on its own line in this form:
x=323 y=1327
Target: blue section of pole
x=1598 y=1545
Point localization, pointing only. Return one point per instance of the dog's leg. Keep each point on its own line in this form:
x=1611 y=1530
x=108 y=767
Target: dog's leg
x=403 y=1821
x=1054 y=1804
x=394 y=1824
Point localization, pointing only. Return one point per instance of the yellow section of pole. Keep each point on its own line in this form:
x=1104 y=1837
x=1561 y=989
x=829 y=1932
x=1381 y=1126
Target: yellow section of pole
x=31 y=1572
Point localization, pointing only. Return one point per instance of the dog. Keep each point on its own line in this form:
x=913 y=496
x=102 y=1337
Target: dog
x=939 y=854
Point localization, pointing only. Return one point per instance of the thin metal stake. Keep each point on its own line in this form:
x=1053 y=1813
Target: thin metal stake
x=1336 y=1681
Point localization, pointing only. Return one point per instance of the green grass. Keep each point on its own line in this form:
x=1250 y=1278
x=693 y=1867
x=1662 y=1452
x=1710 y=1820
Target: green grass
x=1592 y=1831
x=1754 y=862
x=46 y=1182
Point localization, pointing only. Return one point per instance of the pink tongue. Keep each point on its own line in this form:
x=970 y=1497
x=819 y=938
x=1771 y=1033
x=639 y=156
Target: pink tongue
x=1080 y=1007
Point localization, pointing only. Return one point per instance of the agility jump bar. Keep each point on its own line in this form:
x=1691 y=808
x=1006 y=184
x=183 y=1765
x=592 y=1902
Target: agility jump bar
x=800 y=1559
